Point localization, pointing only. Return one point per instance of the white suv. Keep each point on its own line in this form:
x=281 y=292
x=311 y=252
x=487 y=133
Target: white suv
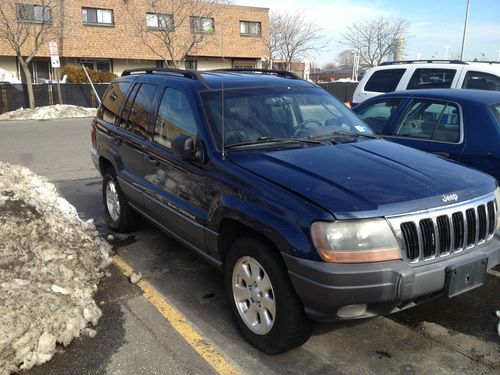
x=407 y=75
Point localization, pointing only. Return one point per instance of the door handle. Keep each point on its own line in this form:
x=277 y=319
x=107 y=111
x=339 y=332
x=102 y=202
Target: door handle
x=442 y=154
x=152 y=160
x=117 y=141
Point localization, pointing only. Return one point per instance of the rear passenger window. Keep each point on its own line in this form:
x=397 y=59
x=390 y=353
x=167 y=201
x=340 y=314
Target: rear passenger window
x=141 y=110
x=114 y=100
x=481 y=81
x=385 y=80
x=431 y=78
x=432 y=121
x=376 y=114
x=175 y=117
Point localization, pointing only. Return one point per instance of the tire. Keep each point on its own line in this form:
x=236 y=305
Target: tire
x=271 y=330
x=119 y=215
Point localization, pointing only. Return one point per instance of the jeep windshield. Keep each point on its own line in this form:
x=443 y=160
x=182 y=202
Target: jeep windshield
x=271 y=116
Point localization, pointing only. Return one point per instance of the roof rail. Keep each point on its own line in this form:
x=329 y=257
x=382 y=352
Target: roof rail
x=281 y=73
x=486 y=62
x=169 y=71
x=426 y=61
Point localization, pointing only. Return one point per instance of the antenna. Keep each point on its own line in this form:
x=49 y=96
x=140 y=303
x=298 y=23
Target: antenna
x=222 y=100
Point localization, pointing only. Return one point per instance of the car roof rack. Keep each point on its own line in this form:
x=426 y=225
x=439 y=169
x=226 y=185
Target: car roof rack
x=280 y=73
x=424 y=61
x=168 y=71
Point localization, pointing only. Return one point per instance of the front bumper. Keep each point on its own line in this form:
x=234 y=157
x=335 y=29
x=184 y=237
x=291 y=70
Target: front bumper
x=385 y=287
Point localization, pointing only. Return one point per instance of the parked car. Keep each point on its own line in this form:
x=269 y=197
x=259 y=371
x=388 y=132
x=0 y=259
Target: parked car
x=280 y=186
x=427 y=74
x=463 y=125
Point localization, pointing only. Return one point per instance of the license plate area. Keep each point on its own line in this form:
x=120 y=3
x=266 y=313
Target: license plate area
x=461 y=279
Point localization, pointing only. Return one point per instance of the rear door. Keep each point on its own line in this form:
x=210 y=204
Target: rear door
x=433 y=77
x=430 y=125
x=176 y=189
x=136 y=116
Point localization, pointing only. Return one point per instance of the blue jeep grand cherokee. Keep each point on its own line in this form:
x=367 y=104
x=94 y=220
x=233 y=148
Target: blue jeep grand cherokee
x=279 y=185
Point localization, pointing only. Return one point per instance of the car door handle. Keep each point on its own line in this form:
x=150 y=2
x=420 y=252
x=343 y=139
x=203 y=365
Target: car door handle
x=152 y=160
x=117 y=141
x=442 y=154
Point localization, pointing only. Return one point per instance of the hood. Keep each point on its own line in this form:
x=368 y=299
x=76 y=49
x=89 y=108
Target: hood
x=367 y=178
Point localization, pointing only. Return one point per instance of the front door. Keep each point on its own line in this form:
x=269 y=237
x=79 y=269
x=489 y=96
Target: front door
x=175 y=188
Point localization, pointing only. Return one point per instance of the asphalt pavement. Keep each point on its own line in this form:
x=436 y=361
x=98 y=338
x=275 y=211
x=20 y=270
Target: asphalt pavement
x=443 y=336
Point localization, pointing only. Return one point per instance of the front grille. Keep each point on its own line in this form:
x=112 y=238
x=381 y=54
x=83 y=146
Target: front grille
x=445 y=231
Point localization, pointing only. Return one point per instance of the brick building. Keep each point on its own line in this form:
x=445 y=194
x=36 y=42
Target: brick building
x=101 y=34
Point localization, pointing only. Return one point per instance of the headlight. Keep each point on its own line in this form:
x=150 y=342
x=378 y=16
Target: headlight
x=356 y=241
x=497 y=195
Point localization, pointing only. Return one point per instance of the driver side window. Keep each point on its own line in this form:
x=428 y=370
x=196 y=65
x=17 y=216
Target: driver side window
x=175 y=117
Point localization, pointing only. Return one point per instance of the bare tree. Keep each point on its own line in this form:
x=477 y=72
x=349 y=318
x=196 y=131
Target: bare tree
x=345 y=58
x=26 y=28
x=292 y=36
x=374 y=38
x=174 y=29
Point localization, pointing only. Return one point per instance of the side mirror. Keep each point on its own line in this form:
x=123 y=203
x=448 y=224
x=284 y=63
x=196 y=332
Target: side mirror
x=183 y=146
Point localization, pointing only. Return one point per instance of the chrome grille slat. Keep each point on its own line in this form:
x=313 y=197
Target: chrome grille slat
x=445 y=231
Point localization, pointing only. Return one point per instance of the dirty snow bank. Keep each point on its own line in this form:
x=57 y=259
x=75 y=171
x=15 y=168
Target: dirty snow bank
x=50 y=264
x=49 y=112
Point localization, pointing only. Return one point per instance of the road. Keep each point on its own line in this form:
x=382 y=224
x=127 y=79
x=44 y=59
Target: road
x=440 y=337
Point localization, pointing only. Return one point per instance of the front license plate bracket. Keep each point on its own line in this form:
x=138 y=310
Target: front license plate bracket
x=461 y=279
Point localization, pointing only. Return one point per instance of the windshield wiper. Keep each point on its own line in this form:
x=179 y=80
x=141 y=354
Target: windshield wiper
x=262 y=140
x=341 y=133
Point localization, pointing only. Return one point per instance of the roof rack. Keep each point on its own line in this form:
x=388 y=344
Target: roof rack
x=169 y=71
x=426 y=61
x=281 y=73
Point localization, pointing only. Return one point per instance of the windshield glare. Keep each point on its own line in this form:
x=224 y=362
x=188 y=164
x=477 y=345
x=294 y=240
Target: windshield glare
x=282 y=112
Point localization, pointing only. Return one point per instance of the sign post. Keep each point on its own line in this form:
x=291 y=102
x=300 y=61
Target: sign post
x=55 y=63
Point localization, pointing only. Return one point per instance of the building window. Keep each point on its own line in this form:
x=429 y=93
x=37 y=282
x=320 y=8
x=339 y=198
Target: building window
x=99 y=65
x=160 y=21
x=33 y=13
x=191 y=65
x=250 y=28
x=202 y=25
x=96 y=16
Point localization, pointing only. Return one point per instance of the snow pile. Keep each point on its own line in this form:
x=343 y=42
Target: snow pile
x=49 y=112
x=50 y=264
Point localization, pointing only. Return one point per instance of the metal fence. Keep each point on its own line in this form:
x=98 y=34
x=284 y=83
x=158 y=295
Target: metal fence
x=343 y=91
x=14 y=96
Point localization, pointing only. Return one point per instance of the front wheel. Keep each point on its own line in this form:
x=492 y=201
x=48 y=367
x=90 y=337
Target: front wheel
x=267 y=310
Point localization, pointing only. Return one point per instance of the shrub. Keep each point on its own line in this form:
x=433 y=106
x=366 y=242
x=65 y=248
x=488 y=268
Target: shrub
x=76 y=74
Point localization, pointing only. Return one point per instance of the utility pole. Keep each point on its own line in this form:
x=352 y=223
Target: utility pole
x=498 y=58
x=465 y=30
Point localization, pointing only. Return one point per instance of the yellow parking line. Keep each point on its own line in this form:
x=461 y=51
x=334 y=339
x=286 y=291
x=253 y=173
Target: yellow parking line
x=180 y=323
x=494 y=273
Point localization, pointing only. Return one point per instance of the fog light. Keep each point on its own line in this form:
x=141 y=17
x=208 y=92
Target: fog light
x=351 y=311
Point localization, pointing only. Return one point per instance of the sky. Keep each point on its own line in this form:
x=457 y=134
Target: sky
x=434 y=24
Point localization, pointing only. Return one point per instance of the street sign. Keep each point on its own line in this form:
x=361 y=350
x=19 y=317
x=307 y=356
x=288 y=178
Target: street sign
x=54 y=62
x=53 y=50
